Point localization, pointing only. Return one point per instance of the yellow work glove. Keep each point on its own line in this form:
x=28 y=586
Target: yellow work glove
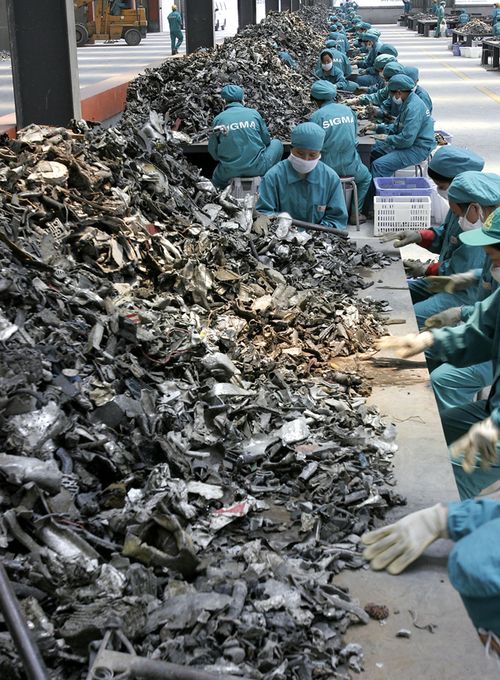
x=406 y=345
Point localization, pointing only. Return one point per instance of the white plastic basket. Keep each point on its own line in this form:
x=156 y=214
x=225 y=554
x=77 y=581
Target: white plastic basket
x=396 y=213
x=471 y=52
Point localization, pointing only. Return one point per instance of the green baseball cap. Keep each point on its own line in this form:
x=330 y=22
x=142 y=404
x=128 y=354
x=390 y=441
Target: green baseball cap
x=488 y=235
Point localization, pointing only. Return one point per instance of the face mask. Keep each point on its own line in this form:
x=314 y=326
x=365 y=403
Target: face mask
x=467 y=225
x=443 y=193
x=397 y=101
x=327 y=67
x=301 y=166
x=495 y=273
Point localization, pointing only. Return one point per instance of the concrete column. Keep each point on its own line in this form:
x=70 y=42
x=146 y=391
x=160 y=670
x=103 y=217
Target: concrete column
x=44 y=64
x=272 y=6
x=286 y=5
x=295 y=6
x=199 y=24
x=247 y=13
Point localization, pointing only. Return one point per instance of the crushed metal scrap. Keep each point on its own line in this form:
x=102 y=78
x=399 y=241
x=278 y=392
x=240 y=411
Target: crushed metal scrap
x=186 y=90
x=183 y=459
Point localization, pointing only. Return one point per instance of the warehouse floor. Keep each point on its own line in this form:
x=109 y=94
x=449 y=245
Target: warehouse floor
x=450 y=650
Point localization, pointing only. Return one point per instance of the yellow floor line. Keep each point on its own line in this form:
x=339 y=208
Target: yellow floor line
x=485 y=90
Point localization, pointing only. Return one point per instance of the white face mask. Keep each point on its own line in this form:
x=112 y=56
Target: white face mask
x=495 y=273
x=301 y=166
x=397 y=101
x=443 y=193
x=327 y=67
x=467 y=225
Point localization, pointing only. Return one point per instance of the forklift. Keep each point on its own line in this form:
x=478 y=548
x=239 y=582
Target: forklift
x=111 y=20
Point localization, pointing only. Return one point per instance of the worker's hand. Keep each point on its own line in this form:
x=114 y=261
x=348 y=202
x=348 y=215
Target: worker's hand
x=352 y=101
x=407 y=345
x=261 y=224
x=451 y=284
x=369 y=129
x=362 y=89
x=396 y=546
x=481 y=440
x=415 y=268
x=401 y=238
x=376 y=111
x=448 y=317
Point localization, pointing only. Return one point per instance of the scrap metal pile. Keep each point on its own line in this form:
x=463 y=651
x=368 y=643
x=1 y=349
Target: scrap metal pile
x=475 y=26
x=187 y=90
x=181 y=450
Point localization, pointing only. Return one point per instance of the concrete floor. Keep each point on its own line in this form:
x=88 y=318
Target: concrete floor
x=466 y=103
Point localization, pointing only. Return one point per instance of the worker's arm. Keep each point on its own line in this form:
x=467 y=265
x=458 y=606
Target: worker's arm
x=405 y=138
x=466 y=516
x=347 y=66
x=336 y=211
x=268 y=202
x=471 y=343
x=264 y=132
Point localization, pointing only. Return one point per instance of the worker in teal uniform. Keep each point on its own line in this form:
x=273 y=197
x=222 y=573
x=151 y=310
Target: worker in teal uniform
x=339 y=151
x=302 y=185
x=474 y=526
x=340 y=60
x=382 y=98
x=440 y=18
x=473 y=196
x=495 y=14
x=240 y=141
x=287 y=59
x=463 y=18
x=413 y=73
x=470 y=429
x=367 y=75
x=496 y=27
x=379 y=64
x=340 y=37
x=434 y=8
x=410 y=139
x=328 y=71
x=175 y=27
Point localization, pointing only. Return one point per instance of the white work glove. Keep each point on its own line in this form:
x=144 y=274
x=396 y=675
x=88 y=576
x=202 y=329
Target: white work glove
x=451 y=284
x=480 y=440
x=448 y=317
x=396 y=546
x=415 y=268
x=402 y=238
x=351 y=102
x=406 y=345
x=261 y=224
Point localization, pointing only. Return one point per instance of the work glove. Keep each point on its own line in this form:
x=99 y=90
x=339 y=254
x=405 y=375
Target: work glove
x=396 y=546
x=407 y=345
x=415 y=268
x=261 y=224
x=352 y=101
x=481 y=440
x=402 y=238
x=451 y=284
x=448 y=317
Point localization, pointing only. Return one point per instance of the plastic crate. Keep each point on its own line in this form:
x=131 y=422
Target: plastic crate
x=471 y=52
x=397 y=213
x=447 y=136
x=402 y=186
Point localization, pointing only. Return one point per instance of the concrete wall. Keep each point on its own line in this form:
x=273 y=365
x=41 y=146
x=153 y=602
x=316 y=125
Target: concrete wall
x=4 y=32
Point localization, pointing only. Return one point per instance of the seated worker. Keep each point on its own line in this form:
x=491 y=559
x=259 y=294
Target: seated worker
x=339 y=151
x=454 y=256
x=413 y=73
x=302 y=185
x=240 y=141
x=340 y=60
x=367 y=74
x=328 y=71
x=379 y=64
x=474 y=526
x=382 y=98
x=471 y=430
x=463 y=18
x=335 y=34
x=410 y=139
x=287 y=59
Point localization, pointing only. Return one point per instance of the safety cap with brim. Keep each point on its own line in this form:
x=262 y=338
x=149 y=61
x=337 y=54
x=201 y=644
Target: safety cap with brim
x=473 y=571
x=450 y=161
x=411 y=72
x=392 y=69
x=331 y=43
x=369 y=36
x=323 y=90
x=374 y=31
x=388 y=49
x=308 y=136
x=232 y=93
x=382 y=60
x=400 y=82
x=364 y=24
x=488 y=235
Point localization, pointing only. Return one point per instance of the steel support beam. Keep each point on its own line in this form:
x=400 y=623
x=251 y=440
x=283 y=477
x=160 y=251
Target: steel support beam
x=199 y=23
x=295 y=6
x=286 y=5
x=247 y=13
x=44 y=65
x=272 y=6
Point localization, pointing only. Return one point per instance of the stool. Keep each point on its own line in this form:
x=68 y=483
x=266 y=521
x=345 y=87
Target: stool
x=351 y=192
x=243 y=186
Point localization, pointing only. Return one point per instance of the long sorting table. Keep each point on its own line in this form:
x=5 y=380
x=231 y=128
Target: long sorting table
x=466 y=39
x=491 y=51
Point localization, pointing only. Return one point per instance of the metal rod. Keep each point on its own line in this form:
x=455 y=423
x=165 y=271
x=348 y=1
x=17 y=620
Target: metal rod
x=20 y=633
x=317 y=227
